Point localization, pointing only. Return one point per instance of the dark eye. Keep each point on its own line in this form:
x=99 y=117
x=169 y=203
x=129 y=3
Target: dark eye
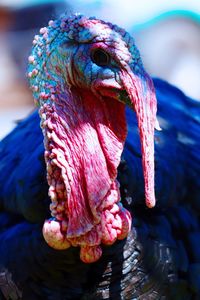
x=100 y=57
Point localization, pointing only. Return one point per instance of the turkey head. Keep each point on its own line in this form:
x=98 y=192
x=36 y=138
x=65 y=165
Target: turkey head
x=83 y=72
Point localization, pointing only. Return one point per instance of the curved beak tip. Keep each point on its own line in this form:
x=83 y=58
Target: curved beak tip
x=157 y=125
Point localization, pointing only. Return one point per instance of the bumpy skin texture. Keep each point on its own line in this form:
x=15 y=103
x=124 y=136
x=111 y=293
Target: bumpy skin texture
x=78 y=70
x=159 y=260
x=160 y=257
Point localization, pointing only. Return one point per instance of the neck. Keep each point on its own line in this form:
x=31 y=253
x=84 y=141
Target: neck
x=84 y=139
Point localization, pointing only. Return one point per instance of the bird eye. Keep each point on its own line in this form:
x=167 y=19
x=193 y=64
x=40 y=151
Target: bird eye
x=100 y=57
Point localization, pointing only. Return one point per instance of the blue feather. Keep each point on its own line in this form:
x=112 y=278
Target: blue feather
x=171 y=229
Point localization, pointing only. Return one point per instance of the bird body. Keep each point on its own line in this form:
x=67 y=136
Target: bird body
x=84 y=126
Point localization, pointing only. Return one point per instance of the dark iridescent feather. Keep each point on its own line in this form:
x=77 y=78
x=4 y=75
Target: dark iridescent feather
x=159 y=260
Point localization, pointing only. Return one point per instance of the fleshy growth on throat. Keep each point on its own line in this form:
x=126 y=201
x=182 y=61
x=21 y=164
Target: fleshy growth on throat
x=83 y=149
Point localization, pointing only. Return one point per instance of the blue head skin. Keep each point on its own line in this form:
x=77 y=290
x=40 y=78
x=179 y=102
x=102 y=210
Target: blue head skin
x=88 y=53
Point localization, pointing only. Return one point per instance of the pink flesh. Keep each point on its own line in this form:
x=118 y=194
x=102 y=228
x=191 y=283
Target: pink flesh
x=142 y=95
x=84 y=139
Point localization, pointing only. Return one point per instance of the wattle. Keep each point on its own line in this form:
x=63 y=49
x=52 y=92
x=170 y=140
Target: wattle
x=84 y=139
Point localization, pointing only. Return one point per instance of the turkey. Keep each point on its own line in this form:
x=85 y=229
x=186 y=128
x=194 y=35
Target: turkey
x=82 y=215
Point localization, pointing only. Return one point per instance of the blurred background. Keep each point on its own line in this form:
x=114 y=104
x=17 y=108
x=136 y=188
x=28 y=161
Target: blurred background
x=167 y=32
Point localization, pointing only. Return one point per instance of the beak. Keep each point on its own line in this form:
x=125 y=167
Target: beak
x=140 y=95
